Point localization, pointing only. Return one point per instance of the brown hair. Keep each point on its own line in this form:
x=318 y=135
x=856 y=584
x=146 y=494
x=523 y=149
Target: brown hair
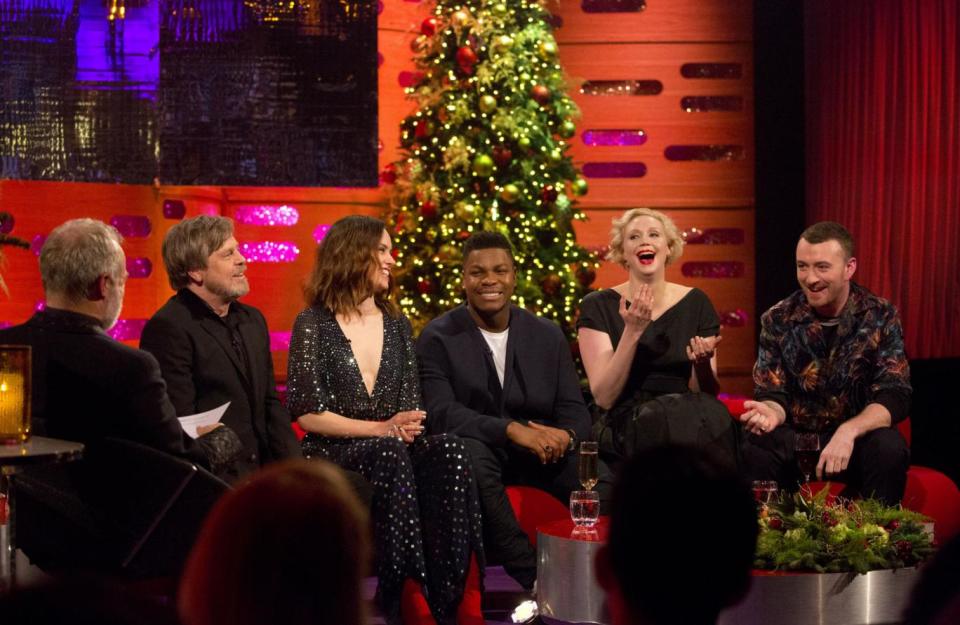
x=340 y=279
x=290 y=546
x=824 y=231
x=672 y=233
x=188 y=245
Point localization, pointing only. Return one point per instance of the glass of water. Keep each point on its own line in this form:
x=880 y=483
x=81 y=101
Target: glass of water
x=585 y=507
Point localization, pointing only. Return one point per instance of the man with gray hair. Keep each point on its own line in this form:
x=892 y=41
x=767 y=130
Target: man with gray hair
x=213 y=349
x=86 y=385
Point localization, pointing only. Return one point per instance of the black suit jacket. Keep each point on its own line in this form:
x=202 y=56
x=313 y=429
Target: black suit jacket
x=203 y=371
x=461 y=390
x=87 y=386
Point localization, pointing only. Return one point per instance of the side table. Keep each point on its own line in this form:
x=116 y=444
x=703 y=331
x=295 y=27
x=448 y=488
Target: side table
x=36 y=451
x=567 y=590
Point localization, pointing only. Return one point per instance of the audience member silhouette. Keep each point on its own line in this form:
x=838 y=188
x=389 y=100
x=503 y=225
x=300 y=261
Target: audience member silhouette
x=683 y=533
x=290 y=546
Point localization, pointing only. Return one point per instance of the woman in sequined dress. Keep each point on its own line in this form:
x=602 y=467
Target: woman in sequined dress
x=353 y=386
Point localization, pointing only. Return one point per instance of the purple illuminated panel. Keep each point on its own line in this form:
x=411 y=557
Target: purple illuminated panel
x=409 y=79
x=713 y=269
x=267 y=215
x=612 y=6
x=279 y=341
x=36 y=244
x=139 y=267
x=320 y=231
x=270 y=251
x=704 y=152
x=613 y=137
x=5 y=324
x=174 y=209
x=40 y=305
x=614 y=170
x=708 y=103
x=133 y=226
x=714 y=236
x=127 y=329
x=621 y=87
x=729 y=71
x=555 y=20
x=6 y=225
x=734 y=318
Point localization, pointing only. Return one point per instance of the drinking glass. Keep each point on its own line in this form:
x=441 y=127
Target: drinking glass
x=585 y=507
x=764 y=491
x=588 y=465
x=806 y=447
x=14 y=394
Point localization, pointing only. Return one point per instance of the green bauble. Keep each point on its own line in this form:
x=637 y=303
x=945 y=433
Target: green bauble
x=482 y=165
x=510 y=193
x=579 y=186
x=567 y=129
x=500 y=9
x=547 y=50
x=487 y=104
x=556 y=155
x=502 y=44
x=524 y=142
x=465 y=211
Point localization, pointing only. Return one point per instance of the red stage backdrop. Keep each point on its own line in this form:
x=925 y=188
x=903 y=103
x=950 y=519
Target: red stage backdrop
x=883 y=152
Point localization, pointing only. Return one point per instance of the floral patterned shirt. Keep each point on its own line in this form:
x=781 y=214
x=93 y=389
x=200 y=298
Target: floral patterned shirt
x=822 y=383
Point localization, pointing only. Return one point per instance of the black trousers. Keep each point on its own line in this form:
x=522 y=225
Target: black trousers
x=878 y=465
x=504 y=541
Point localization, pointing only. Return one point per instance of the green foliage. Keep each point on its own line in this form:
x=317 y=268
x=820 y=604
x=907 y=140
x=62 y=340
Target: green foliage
x=832 y=535
x=486 y=149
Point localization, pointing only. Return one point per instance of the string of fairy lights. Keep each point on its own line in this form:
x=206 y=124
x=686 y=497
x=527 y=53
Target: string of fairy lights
x=486 y=149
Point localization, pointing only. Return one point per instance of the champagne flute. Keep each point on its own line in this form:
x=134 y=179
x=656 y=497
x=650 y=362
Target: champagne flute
x=806 y=447
x=588 y=464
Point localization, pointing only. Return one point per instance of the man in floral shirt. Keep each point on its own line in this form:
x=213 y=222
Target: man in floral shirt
x=831 y=361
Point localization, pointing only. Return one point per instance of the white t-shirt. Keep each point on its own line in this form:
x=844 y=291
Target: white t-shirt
x=498 y=345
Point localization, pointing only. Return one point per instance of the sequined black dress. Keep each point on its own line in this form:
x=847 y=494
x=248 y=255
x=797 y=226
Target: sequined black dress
x=425 y=511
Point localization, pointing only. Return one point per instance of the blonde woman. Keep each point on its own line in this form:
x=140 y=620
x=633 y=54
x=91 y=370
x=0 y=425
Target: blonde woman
x=647 y=339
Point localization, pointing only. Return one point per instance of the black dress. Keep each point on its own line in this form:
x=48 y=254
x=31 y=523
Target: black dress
x=425 y=511
x=656 y=405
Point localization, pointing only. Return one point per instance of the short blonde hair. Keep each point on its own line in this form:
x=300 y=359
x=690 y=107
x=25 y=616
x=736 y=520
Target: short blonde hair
x=674 y=238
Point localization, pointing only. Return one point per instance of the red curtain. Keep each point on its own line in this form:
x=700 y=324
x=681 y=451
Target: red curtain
x=883 y=152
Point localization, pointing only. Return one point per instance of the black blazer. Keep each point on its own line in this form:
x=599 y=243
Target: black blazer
x=461 y=390
x=87 y=386
x=203 y=371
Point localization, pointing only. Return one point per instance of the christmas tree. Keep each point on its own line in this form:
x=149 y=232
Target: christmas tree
x=485 y=149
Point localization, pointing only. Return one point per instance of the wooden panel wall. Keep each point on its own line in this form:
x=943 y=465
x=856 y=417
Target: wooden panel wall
x=652 y=44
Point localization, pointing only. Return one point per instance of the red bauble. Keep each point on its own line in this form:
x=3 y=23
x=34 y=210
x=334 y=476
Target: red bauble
x=428 y=210
x=389 y=174
x=893 y=525
x=425 y=286
x=502 y=155
x=463 y=235
x=551 y=284
x=423 y=129
x=429 y=26
x=775 y=523
x=540 y=93
x=548 y=194
x=586 y=276
x=466 y=57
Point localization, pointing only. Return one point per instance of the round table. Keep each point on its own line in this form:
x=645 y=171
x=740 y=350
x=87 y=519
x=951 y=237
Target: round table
x=567 y=590
x=36 y=451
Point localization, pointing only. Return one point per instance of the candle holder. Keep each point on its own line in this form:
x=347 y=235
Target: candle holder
x=14 y=394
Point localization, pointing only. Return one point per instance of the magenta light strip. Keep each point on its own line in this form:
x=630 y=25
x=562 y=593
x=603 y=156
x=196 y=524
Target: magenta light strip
x=734 y=318
x=279 y=341
x=174 y=209
x=267 y=215
x=717 y=269
x=614 y=170
x=139 y=267
x=320 y=231
x=714 y=236
x=127 y=329
x=614 y=137
x=270 y=251
x=134 y=226
x=36 y=244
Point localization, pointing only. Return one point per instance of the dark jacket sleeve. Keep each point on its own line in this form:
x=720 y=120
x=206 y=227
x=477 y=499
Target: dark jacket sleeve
x=281 y=440
x=170 y=344
x=769 y=378
x=444 y=412
x=570 y=410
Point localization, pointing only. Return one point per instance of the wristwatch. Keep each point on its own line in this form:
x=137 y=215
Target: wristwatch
x=573 y=440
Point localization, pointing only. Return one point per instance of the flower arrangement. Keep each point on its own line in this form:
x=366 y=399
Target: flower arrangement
x=825 y=534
